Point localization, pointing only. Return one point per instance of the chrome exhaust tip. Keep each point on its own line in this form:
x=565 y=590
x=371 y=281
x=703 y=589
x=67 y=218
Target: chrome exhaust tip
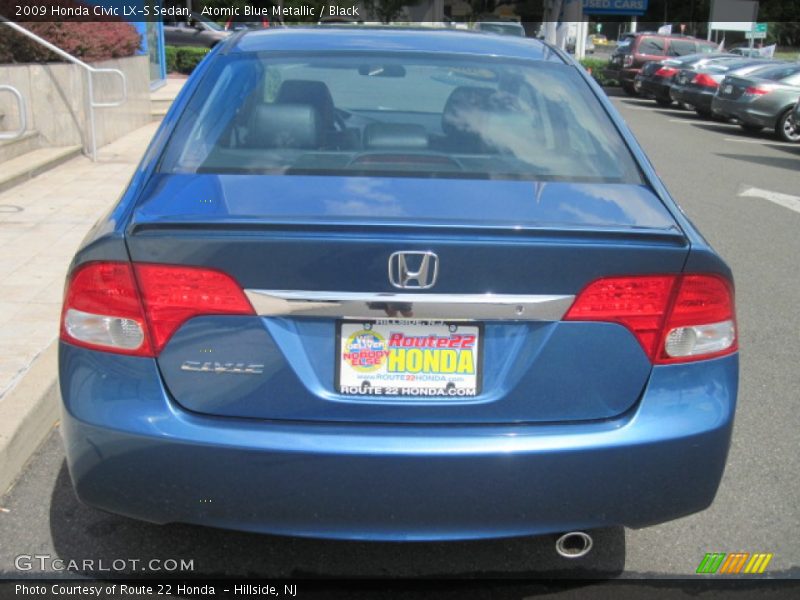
x=574 y=544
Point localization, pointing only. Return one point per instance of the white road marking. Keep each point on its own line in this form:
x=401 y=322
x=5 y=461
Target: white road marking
x=687 y=120
x=785 y=144
x=785 y=200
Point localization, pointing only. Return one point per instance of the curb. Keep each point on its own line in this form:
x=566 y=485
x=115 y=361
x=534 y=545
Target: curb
x=28 y=413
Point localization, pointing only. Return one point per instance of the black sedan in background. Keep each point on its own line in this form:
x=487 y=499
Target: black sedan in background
x=655 y=78
x=699 y=86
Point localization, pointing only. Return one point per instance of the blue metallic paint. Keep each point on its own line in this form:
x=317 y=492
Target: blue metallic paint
x=531 y=372
x=132 y=450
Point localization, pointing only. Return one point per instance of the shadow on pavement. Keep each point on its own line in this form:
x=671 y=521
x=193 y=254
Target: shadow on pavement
x=79 y=531
x=793 y=164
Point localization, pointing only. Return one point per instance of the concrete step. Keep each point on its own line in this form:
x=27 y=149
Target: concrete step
x=156 y=114
x=161 y=99
x=28 y=142
x=31 y=164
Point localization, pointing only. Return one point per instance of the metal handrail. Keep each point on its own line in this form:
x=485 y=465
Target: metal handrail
x=23 y=114
x=90 y=70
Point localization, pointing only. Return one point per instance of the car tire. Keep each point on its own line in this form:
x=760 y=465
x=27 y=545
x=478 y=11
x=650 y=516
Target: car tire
x=664 y=102
x=787 y=129
x=750 y=128
x=629 y=89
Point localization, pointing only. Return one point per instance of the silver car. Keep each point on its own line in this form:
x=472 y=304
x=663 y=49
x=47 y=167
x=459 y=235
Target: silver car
x=763 y=100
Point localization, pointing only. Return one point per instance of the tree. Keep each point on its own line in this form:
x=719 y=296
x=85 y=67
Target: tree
x=552 y=13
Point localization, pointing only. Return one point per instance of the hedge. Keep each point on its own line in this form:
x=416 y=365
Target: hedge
x=597 y=66
x=87 y=41
x=183 y=59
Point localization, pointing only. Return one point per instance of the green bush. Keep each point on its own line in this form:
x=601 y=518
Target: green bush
x=171 y=56
x=597 y=66
x=183 y=59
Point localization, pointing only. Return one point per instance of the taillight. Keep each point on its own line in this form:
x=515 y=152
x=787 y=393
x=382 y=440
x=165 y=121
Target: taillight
x=701 y=322
x=135 y=309
x=675 y=318
x=666 y=72
x=757 y=90
x=102 y=310
x=705 y=80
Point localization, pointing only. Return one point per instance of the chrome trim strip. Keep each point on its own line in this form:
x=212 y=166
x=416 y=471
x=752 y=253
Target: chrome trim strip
x=466 y=307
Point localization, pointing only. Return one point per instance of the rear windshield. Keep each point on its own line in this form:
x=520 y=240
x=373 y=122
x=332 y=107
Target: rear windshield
x=783 y=73
x=402 y=115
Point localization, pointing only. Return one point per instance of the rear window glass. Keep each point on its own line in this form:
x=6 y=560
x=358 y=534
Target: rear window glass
x=403 y=115
x=681 y=48
x=783 y=73
x=651 y=45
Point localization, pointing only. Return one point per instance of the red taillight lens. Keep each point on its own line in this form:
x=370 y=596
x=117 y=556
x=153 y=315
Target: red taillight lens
x=638 y=303
x=676 y=318
x=104 y=309
x=666 y=72
x=174 y=294
x=705 y=80
x=757 y=90
x=702 y=321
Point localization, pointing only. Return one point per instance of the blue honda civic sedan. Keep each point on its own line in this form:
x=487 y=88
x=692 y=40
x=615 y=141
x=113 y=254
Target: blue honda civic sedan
x=397 y=284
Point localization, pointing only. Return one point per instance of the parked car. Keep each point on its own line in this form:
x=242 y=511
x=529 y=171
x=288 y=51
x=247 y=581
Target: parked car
x=513 y=28
x=747 y=52
x=397 y=285
x=698 y=87
x=796 y=113
x=589 y=49
x=637 y=49
x=766 y=99
x=598 y=39
x=197 y=31
x=655 y=78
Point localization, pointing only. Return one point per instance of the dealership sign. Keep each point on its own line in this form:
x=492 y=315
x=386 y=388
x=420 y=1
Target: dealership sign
x=615 y=7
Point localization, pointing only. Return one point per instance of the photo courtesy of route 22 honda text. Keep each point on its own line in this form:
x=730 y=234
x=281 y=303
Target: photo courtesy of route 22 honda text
x=397 y=284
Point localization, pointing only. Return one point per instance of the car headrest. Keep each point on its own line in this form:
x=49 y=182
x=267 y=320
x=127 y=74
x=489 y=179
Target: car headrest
x=395 y=136
x=465 y=106
x=314 y=93
x=284 y=126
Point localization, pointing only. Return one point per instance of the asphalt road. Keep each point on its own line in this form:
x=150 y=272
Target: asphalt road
x=707 y=166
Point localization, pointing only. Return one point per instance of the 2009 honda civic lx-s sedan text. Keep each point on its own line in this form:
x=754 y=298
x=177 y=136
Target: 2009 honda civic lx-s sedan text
x=399 y=285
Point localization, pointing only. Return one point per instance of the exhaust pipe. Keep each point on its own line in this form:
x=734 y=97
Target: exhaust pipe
x=574 y=544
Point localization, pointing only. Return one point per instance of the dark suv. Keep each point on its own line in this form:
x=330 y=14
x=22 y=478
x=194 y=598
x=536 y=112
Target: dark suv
x=634 y=50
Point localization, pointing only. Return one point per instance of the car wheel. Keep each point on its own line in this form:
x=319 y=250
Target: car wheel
x=665 y=102
x=787 y=128
x=629 y=89
x=751 y=128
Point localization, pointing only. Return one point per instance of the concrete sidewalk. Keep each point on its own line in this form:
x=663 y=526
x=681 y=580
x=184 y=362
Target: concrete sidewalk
x=42 y=222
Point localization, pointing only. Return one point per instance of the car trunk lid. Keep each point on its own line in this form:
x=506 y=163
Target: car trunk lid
x=303 y=247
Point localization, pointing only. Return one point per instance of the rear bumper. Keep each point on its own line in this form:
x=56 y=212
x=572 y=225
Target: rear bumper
x=621 y=75
x=749 y=113
x=131 y=450
x=657 y=88
x=700 y=99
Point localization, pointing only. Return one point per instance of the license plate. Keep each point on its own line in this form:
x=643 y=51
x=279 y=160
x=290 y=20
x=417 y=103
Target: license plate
x=728 y=89
x=410 y=359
